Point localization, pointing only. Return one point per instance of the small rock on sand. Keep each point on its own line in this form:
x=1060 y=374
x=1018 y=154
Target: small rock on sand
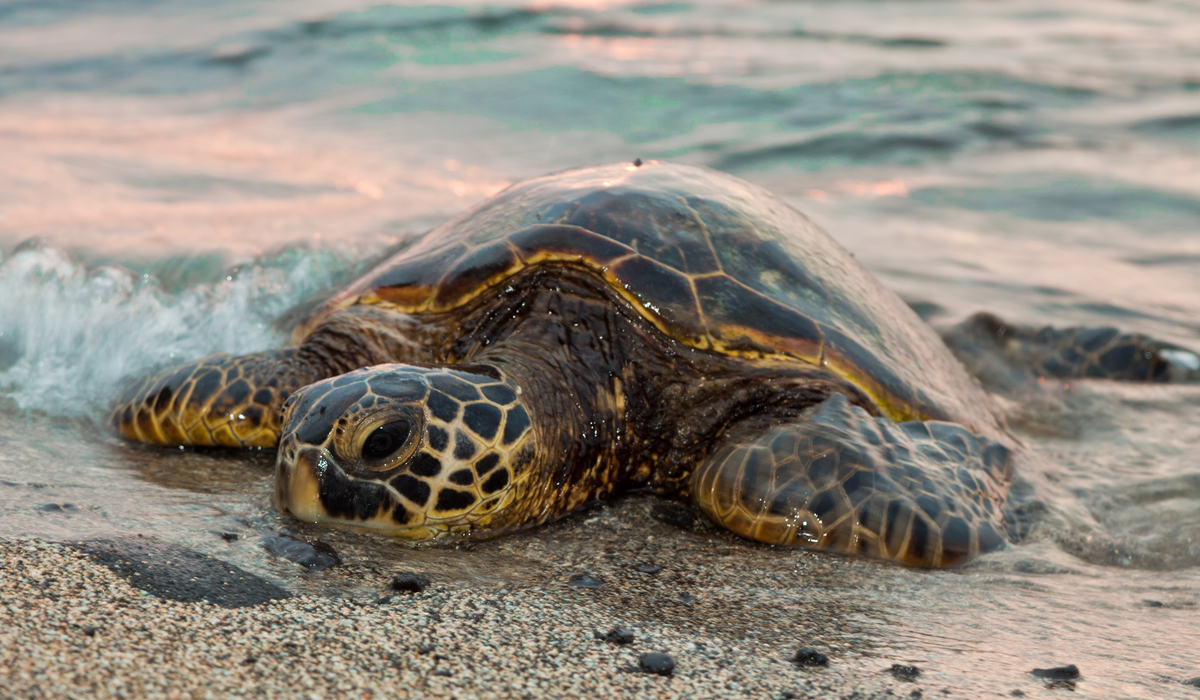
x=409 y=583
x=905 y=672
x=807 y=656
x=656 y=663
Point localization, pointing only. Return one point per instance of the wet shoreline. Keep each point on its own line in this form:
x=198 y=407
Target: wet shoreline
x=732 y=616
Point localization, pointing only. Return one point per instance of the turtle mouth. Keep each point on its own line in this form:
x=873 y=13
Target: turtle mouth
x=311 y=486
x=297 y=487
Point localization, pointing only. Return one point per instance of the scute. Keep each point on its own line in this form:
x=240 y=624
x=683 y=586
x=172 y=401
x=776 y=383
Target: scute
x=567 y=242
x=664 y=292
x=411 y=282
x=737 y=314
x=711 y=260
x=476 y=268
x=662 y=228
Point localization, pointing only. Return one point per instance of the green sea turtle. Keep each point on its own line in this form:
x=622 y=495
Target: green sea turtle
x=657 y=327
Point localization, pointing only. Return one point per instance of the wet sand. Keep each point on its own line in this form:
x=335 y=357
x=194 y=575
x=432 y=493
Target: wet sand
x=77 y=630
x=78 y=622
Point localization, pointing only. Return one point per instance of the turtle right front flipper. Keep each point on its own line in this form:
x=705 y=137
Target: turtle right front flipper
x=220 y=400
x=236 y=401
x=840 y=480
x=1005 y=356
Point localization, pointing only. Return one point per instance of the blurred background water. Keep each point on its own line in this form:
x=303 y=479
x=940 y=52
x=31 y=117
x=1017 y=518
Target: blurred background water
x=176 y=175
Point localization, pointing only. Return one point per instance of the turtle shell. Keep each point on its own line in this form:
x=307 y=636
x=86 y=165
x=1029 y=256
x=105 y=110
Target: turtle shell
x=714 y=262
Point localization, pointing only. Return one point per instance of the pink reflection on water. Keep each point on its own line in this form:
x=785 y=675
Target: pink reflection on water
x=711 y=58
x=117 y=179
x=884 y=188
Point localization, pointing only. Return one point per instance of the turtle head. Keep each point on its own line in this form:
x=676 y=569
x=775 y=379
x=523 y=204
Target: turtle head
x=416 y=452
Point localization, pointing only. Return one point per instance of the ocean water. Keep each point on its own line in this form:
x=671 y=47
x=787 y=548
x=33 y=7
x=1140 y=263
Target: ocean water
x=176 y=177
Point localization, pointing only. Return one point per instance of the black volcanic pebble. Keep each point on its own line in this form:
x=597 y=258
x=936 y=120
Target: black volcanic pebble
x=648 y=568
x=1195 y=682
x=616 y=635
x=807 y=656
x=656 y=663
x=1059 y=673
x=316 y=556
x=904 y=672
x=585 y=581
x=409 y=583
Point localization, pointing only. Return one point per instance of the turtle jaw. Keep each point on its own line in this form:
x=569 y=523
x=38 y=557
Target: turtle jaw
x=297 y=489
x=311 y=487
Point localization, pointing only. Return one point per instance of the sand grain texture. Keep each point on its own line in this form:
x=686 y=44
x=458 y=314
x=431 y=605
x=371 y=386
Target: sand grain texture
x=73 y=628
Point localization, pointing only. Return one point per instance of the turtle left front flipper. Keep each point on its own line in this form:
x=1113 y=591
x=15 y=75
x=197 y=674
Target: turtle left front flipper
x=838 y=479
x=1005 y=355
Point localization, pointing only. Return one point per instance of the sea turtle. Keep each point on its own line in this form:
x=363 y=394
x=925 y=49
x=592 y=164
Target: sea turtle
x=633 y=326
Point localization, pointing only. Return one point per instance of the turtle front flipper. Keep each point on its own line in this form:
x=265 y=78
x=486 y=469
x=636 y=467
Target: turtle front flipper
x=838 y=479
x=220 y=400
x=237 y=401
x=1006 y=356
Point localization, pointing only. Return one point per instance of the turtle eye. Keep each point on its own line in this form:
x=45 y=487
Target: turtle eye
x=386 y=440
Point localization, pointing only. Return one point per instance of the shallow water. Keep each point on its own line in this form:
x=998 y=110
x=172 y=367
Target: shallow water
x=187 y=173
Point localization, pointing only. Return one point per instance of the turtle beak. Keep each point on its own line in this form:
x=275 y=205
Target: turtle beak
x=297 y=489
x=311 y=486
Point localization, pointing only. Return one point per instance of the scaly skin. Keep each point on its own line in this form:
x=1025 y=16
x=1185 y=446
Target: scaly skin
x=230 y=401
x=221 y=400
x=467 y=452
x=1007 y=356
x=923 y=494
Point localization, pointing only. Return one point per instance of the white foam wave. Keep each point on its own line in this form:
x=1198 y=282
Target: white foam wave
x=71 y=336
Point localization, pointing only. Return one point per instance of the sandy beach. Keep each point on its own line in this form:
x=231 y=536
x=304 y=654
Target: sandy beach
x=731 y=615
